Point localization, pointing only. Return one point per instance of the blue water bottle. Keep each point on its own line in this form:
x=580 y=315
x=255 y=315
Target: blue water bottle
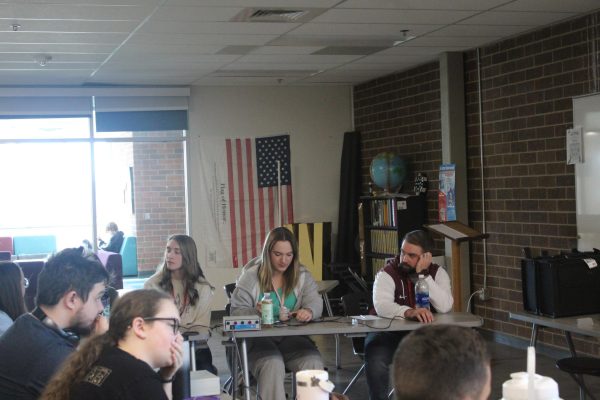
x=422 y=293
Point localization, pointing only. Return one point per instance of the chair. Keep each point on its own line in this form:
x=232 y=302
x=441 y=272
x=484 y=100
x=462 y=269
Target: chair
x=6 y=244
x=113 y=262
x=577 y=367
x=357 y=303
x=40 y=245
x=129 y=256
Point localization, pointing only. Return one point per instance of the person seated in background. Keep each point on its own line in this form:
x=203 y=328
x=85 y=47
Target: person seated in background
x=12 y=292
x=394 y=296
x=116 y=238
x=442 y=362
x=69 y=303
x=278 y=271
x=180 y=275
x=119 y=364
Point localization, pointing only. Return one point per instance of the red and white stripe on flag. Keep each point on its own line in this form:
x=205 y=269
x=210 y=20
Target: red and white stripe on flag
x=253 y=211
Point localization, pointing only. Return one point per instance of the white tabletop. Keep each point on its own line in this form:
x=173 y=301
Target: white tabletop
x=588 y=325
x=344 y=326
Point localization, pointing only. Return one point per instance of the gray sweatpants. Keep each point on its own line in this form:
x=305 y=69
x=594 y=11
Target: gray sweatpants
x=270 y=357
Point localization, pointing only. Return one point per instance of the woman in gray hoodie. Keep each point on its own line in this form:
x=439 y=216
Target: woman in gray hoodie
x=278 y=271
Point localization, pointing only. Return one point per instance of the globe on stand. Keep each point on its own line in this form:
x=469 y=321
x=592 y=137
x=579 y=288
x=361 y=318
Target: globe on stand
x=388 y=171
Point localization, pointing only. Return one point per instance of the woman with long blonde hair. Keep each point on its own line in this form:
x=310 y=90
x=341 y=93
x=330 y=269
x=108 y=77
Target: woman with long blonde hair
x=180 y=275
x=119 y=364
x=293 y=289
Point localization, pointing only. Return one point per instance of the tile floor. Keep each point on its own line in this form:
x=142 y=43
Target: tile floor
x=505 y=359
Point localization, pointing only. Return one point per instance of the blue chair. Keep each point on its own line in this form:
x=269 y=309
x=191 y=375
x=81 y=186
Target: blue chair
x=38 y=245
x=129 y=256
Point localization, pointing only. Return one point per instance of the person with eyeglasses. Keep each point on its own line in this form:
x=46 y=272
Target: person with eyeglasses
x=68 y=305
x=394 y=297
x=279 y=271
x=136 y=359
x=12 y=293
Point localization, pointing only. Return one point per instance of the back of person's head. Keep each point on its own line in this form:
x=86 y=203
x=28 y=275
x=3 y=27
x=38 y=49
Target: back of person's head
x=112 y=227
x=69 y=270
x=442 y=362
x=144 y=303
x=419 y=238
x=11 y=290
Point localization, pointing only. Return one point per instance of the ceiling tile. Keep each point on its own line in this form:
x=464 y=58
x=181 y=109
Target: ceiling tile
x=524 y=18
x=551 y=5
x=233 y=28
x=362 y=16
x=225 y=40
x=365 y=30
x=424 y=4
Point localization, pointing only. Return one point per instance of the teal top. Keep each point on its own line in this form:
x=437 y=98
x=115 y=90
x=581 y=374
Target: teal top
x=289 y=302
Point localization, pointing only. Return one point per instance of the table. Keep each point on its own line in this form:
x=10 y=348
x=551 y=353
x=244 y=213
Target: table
x=324 y=287
x=344 y=326
x=588 y=325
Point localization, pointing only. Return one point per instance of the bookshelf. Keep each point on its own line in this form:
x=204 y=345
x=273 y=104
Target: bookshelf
x=384 y=220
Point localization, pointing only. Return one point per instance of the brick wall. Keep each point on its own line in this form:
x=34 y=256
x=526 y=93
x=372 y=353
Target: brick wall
x=159 y=183
x=528 y=82
x=401 y=113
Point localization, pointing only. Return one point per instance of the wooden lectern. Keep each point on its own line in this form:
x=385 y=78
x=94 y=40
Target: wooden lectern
x=457 y=233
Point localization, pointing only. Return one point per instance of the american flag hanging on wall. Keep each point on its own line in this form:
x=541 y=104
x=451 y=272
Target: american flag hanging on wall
x=239 y=181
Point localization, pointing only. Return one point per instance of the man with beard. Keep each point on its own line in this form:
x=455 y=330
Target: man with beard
x=69 y=304
x=394 y=297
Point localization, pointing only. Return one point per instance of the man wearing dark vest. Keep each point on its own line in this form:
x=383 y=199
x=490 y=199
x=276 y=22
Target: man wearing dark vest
x=394 y=297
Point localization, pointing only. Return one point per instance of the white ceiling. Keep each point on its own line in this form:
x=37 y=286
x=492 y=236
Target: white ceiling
x=195 y=42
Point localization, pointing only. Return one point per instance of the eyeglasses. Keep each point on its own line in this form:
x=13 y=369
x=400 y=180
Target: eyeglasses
x=174 y=325
x=412 y=256
x=25 y=283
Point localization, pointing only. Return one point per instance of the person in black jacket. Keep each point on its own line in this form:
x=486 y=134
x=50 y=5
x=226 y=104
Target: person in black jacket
x=116 y=238
x=136 y=359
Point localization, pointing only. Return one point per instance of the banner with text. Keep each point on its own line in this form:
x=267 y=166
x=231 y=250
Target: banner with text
x=239 y=196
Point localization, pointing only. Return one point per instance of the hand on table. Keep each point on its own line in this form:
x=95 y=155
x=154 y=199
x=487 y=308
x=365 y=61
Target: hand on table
x=419 y=314
x=303 y=315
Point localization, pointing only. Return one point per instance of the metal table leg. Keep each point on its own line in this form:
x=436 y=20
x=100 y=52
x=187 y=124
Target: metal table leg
x=570 y=343
x=246 y=371
x=534 y=335
x=338 y=356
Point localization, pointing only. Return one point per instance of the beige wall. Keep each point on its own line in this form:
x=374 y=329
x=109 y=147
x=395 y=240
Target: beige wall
x=314 y=117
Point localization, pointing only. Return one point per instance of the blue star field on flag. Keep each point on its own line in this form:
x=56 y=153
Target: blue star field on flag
x=269 y=150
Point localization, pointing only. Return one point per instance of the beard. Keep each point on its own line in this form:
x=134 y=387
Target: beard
x=81 y=325
x=406 y=269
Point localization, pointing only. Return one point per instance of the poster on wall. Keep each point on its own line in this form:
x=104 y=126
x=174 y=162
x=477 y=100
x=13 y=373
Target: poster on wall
x=447 y=193
x=240 y=198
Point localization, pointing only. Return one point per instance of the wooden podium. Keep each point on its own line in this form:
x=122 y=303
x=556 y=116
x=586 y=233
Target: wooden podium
x=457 y=233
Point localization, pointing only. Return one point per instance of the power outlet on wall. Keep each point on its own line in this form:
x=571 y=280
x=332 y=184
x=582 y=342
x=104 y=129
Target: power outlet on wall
x=483 y=294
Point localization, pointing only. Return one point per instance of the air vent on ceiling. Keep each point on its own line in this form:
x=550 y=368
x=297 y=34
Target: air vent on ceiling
x=288 y=15
x=277 y=15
